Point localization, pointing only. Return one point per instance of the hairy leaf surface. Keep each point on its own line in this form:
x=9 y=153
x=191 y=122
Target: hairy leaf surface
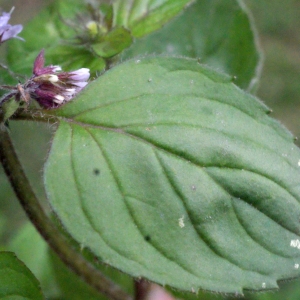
x=167 y=170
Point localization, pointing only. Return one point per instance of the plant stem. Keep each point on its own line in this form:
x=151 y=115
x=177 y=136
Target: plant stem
x=45 y=226
x=11 y=73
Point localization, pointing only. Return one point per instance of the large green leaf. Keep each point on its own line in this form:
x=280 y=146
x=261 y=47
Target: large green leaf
x=145 y=16
x=16 y=280
x=219 y=33
x=166 y=170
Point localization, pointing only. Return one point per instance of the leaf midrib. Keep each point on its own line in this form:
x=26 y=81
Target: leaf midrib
x=122 y=130
x=190 y=160
x=118 y=184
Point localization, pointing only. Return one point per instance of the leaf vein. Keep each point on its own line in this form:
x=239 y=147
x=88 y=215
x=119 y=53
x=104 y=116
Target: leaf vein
x=251 y=235
x=119 y=185
x=199 y=233
x=190 y=159
x=186 y=95
x=86 y=213
x=241 y=138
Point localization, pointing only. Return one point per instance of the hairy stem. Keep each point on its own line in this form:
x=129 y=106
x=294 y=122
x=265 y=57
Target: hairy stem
x=10 y=72
x=45 y=226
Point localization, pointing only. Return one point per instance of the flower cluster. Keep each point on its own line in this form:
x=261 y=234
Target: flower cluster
x=8 y=31
x=49 y=86
x=52 y=88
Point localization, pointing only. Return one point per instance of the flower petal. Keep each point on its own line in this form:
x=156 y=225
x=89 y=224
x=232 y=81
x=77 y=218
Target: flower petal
x=82 y=74
x=11 y=32
x=80 y=84
x=39 y=63
x=4 y=19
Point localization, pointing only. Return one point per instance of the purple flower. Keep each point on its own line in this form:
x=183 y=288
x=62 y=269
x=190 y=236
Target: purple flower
x=48 y=85
x=52 y=88
x=8 y=31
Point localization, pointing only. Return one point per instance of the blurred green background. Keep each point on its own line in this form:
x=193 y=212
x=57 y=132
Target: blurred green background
x=278 y=26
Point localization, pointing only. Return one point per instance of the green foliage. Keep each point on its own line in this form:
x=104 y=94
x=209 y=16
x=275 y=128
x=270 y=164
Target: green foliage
x=219 y=33
x=113 y=43
x=17 y=282
x=68 y=39
x=162 y=159
x=145 y=16
x=56 y=279
x=37 y=258
x=163 y=167
x=9 y=108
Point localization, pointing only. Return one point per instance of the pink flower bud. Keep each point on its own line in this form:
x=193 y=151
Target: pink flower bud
x=52 y=89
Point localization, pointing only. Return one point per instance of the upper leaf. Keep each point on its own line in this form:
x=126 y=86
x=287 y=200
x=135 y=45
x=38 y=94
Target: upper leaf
x=145 y=16
x=113 y=43
x=16 y=279
x=219 y=33
x=52 y=30
x=168 y=171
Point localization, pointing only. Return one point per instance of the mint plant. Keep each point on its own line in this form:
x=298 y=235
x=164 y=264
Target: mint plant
x=163 y=167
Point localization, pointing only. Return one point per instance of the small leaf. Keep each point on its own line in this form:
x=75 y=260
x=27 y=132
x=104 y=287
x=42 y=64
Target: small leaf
x=37 y=258
x=72 y=57
x=16 y=279
x=9 y=108
x=166 y=170
x=113 y=43
x=219 y=33
x=145 y=16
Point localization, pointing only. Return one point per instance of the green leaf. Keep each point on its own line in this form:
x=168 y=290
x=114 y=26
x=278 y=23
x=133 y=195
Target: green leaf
x=145 y=16
x=168 y=171
x=9 y=108
x=74 y=57
x=36 y=257
x=219 y=33
x=47 y=30
x=17 y=282
x=113 y=43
